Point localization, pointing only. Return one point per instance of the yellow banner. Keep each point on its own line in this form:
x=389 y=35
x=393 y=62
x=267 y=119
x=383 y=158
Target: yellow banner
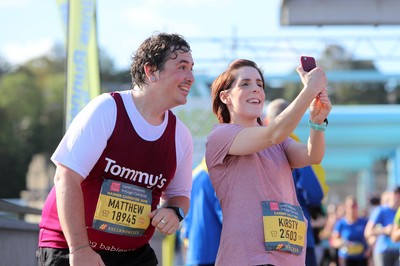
x=63 y=9
x=83 y=78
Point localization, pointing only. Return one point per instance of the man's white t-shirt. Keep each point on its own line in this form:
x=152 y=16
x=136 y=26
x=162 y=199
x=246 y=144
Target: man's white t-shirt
x=87 y=137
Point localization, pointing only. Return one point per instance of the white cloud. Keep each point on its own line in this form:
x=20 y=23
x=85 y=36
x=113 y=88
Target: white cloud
x=17 y=53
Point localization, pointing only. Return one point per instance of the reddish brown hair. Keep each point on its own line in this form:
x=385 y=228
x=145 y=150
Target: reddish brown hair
x=224 y=82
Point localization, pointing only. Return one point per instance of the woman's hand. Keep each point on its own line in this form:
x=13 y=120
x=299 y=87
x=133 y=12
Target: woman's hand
x=320 y=107
x=314 y=80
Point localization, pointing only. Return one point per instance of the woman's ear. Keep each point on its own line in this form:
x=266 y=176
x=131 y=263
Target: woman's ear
x=224 y=96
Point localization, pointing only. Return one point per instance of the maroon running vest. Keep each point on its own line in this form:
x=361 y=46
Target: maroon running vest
x=130 y=171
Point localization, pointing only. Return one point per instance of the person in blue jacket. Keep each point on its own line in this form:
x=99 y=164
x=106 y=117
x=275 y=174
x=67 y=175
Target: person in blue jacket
x=201 y=229
x=310 y=183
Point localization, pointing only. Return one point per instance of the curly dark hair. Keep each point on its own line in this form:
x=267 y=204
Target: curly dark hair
x=155 y=51
x=224 y=82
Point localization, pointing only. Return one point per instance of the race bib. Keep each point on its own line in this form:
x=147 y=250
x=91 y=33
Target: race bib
x=354 y=249
x=122 y=209
x=284 y=227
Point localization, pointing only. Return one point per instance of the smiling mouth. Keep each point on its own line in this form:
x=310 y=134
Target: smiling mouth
x=184 y=88
x=254 y=101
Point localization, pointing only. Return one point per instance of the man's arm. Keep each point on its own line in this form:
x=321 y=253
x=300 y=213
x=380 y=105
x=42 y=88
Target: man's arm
x=165 y=219
x=71 y=212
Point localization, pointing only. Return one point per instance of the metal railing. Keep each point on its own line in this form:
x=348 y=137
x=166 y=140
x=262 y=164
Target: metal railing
x=18 y=238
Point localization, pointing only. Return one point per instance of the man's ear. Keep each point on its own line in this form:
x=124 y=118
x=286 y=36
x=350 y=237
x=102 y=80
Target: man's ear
x=224 y=96
x=150 y=73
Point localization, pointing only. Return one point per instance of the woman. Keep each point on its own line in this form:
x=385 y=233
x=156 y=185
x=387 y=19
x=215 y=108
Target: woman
x=348 y=236
x=250 y=165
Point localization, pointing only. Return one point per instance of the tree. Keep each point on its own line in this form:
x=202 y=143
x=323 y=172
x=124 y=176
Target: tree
x=31 y=108
x=336 y=58
x=4 y=66
x=111 y=78
x=32 y=111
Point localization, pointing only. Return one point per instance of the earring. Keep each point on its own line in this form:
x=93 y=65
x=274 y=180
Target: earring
x=153 y=78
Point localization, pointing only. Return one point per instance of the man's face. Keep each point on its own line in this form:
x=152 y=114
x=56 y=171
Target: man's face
x=176 y=78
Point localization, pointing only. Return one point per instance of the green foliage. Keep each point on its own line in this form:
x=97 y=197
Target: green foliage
x=4 y=66
x=199 y=120
x=32 y=112
x=31 y=107
x=358 y=93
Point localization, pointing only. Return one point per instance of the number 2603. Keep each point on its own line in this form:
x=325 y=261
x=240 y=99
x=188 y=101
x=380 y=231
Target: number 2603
x=288 y=234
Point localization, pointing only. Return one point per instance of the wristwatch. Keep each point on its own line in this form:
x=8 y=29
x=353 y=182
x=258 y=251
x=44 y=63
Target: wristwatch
x=179 y=212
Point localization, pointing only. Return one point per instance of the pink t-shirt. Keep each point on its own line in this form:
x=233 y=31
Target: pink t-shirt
x=241 y=184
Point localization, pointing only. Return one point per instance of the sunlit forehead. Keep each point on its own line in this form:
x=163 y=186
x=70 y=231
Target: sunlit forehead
x=249 y=74
x=184 y=58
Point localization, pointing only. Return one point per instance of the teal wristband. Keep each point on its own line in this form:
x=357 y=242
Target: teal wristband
x=318 y=127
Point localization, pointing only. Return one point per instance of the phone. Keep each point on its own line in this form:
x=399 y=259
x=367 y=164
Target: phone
x=308 y=63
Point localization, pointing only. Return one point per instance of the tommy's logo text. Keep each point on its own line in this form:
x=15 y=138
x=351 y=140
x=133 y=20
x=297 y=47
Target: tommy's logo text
x=144 y=178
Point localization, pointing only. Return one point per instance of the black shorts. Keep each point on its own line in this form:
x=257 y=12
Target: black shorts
x=58 y=256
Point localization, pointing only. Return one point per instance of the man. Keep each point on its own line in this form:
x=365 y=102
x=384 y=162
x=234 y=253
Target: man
x=123 y=153
x=309 y=181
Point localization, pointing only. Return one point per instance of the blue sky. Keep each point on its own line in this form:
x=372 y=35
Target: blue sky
x=29 y=28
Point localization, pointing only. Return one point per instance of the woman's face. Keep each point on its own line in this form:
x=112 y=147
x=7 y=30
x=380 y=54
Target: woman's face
x=351 y=208
x=245 y=98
